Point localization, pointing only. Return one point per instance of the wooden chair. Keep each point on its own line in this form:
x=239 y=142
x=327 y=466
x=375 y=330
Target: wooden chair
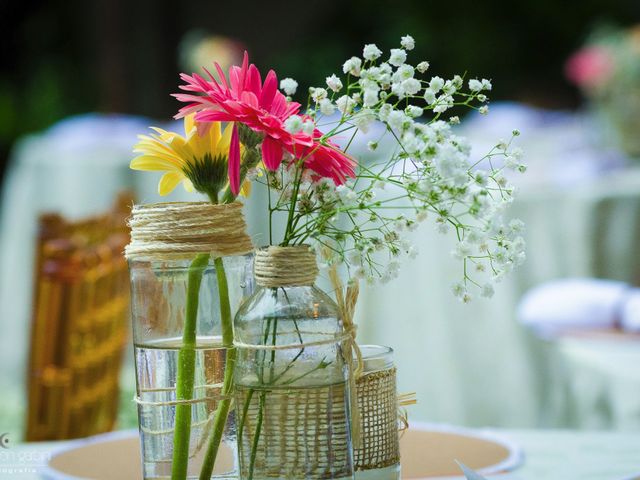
x=80 y=325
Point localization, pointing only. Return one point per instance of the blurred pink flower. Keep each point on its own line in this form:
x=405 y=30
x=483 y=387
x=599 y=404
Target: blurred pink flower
x=590 y=67
x=264 y=109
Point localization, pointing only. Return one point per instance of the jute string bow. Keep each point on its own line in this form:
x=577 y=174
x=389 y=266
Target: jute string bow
x=347 y=300
x=181 y=229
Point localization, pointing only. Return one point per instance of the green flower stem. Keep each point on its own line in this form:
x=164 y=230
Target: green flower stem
x=256 y=438
x=222 y=411
x=186 y=371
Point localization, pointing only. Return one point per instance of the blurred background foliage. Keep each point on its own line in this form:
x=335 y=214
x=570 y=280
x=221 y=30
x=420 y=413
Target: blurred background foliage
x=61 y=57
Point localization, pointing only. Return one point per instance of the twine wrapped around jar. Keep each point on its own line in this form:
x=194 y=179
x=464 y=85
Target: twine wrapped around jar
x=182 y=229
x=285 y=266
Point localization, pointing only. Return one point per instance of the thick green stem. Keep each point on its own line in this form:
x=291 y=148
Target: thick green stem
x=186 y=371
x=222 y=411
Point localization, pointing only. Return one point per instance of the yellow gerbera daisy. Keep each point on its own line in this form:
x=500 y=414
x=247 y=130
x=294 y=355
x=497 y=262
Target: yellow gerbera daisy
x=199 y=159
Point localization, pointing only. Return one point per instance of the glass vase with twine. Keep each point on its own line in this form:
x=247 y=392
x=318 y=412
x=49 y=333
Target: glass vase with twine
x=377 y=456
x=190 y=269
x=291 y=377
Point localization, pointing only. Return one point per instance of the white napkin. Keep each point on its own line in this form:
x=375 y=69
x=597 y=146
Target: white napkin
x=581 y=303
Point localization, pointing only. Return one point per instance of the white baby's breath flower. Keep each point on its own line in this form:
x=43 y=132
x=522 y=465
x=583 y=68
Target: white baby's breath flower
x=308 y=127
x=449 y=87
x=429 y=96
x=384 y=73
x=413 y=111
x=483 y=110
x=486 y=84
x=462 y=250
x=475 y=85
x=370 y=98
x=397 y=120
x=411 y=86
x=354 y=257
x=359 y=273
x=363 y=119
x=407 y=42
x=372 y=146
x=346 y=195
x=510 y=163
x=352 y=66
x=422 y=67
x=334 y=83
x=443 y=103
x=288 y=86
x=482 y=97
x=402 y=73
x=487 y=290
x=458 y=289
x=398 y=57
x=517 y=153
x=384 y=112
x=436 y=84
x=412 y=145
x=293 y=124
x=327 y=107
x=442 y=225
x=397 y=89
x=345 y=104
x=317 y=94
x=516 y=226
x=371 y=52
x=421 y=216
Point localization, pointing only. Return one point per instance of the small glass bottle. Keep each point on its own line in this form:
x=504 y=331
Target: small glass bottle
x=291 y=388
x=378 y=455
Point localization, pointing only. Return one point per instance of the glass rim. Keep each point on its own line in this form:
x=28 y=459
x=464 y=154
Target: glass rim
x=372 y=352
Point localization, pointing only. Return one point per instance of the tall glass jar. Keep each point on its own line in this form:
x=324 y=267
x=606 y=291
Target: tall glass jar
x=291 y=388
x=187 y=281
x=378 y=454
x=159 y=298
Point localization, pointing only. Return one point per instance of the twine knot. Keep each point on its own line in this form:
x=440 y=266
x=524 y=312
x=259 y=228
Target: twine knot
x=285 y=266
x=182 y=229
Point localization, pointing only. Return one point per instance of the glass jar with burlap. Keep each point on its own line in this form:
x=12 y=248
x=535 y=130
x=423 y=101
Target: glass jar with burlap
x=291 y=377
x=190 y=269
x=377 y=454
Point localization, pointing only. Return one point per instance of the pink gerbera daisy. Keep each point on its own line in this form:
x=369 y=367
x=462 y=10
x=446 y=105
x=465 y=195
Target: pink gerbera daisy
x=263 y=108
